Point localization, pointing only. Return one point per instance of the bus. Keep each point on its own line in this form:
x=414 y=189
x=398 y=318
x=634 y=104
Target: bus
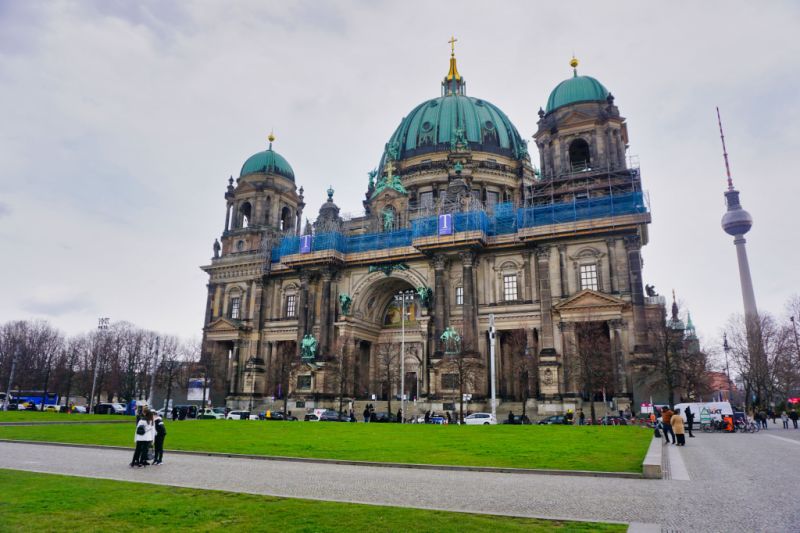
x=35 y=397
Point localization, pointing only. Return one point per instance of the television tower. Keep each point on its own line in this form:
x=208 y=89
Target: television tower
x=737 y=222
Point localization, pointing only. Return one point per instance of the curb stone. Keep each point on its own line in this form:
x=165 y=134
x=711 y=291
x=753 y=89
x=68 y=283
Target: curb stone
x=456 y=468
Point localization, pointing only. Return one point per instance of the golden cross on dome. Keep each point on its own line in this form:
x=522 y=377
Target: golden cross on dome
x=452 y=42
x=389 y=170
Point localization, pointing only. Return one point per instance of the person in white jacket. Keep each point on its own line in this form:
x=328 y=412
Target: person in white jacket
x=145 y=433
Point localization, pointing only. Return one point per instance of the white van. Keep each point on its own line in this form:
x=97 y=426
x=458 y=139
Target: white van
x=716 y=409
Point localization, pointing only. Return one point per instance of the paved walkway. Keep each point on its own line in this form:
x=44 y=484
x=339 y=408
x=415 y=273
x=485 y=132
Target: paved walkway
x=735 y=483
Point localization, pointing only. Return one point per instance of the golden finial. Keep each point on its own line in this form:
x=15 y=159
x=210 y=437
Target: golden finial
x=573 y=62
x=453 y=74
x=452 y=42
x=271 y=137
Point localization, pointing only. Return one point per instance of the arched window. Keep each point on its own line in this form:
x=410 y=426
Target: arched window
x=286 y=219
x=246 y=210
x=579 y=156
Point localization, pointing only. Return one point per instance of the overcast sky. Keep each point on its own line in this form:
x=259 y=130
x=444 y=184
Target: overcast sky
x=121 y=121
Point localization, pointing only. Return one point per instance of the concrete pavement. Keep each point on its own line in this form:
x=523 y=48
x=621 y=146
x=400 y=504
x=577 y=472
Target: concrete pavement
x=725 y=483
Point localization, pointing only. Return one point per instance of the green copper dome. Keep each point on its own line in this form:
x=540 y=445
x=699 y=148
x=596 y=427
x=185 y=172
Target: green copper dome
x=434 y=124
x=267 y=161
x=576 y=89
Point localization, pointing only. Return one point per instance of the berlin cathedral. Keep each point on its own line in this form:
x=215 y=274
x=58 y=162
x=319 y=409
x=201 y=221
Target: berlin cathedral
x=463 y=226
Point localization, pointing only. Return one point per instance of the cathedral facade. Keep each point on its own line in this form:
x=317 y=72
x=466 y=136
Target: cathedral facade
x=460 y=227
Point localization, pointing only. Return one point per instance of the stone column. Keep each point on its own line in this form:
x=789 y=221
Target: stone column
x=302 y=310
x=526 y=271
x=569 y=379
x=621 y=383
x=633 y=248
x=612 y=264
x=470 y=316
x=210 y=302
x=562 y=270
x=228 y=216
x=439 y=299
x=324 y=318
x=620 y=149
x=543 y=276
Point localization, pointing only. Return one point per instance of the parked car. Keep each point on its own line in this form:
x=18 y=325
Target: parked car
x=480 y=419
x=241 y=415
x=555 y=419
x=333 y=416
x=52 y=409
x=310 y=417
x=518 y=420
x=277 y=415
x=384 y=417
x=109 y=409
x=186 y=411
x=610 y=420
x=79 y=409
x=210 y=414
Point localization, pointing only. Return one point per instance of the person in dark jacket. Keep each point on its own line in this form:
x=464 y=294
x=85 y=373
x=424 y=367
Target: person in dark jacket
x=793 y=417
x=158 y=442
x=689 y=419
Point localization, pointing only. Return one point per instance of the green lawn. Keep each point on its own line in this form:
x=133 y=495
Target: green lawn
x=45 y=502
x=36 y=416
x=597 y=448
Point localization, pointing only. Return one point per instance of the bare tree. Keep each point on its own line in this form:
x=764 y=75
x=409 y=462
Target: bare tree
x=762 y=352
x=592 y=362
x=340 y=367
x=465 y=369
x=524 y=365
x=388 y=369
x=285 y=364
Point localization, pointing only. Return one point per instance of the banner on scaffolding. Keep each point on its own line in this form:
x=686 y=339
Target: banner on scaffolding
x=446 y=224
x=305 y=244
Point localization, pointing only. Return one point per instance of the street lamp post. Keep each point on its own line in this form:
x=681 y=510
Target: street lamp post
x=11 y=379
x=726 y=348
x=403 y=297
x=250 y=367
x=102 y=325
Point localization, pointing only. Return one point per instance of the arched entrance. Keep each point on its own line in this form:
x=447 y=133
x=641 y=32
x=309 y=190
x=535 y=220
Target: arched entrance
x=390 y=338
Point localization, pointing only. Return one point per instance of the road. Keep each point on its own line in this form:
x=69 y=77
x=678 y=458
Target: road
x=718 y=483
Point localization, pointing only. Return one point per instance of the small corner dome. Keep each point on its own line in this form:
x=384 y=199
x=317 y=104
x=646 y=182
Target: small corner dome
x=575 y=90
x=269 y=162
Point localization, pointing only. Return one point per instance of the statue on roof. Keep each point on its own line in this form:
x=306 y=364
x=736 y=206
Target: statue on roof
x=217 y=248
x=344 y=302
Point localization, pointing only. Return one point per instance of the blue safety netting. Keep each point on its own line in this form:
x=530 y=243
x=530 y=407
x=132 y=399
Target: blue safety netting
x=506 y=219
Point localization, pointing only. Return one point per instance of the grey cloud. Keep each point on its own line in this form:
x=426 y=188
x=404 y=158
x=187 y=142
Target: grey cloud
x=57 y=304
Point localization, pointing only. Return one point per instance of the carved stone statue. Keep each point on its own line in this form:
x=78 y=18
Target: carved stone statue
x=650 y=290
x=308 y=348
x=217 y=248
x=344 y=303
x=372 y=173
x=451 y=340
x=388 y=219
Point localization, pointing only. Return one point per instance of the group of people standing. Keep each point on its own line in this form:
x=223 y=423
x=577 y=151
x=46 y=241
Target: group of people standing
x=671 y=424
x=150 y=431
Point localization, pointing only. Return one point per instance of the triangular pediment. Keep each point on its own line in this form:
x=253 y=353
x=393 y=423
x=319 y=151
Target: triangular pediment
x=588 y=300
x=576 y=117
x=223 y=325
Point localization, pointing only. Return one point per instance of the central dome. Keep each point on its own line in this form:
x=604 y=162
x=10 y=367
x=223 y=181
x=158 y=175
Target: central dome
x=267 y=161
x=433 y=125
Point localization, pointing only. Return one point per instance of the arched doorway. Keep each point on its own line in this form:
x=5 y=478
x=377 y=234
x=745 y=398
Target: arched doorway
x=391 y=337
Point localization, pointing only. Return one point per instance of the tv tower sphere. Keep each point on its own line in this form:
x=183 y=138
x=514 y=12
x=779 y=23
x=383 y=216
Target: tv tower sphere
x=735 y=221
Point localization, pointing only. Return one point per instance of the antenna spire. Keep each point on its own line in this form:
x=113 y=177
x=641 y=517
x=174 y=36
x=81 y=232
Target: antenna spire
x=724 y=152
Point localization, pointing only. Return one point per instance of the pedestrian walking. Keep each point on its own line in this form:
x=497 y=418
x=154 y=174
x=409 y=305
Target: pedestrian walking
x=427 y=417
x=143 y=438
x=666 y=419
x=174 y=413
x=763 y=415
x=399 y=416
x=677 y=427
x=366 y=414
x=158 y=442
x=689 y=419
x=581 y=417
x=793 y=416
x=785 y=420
